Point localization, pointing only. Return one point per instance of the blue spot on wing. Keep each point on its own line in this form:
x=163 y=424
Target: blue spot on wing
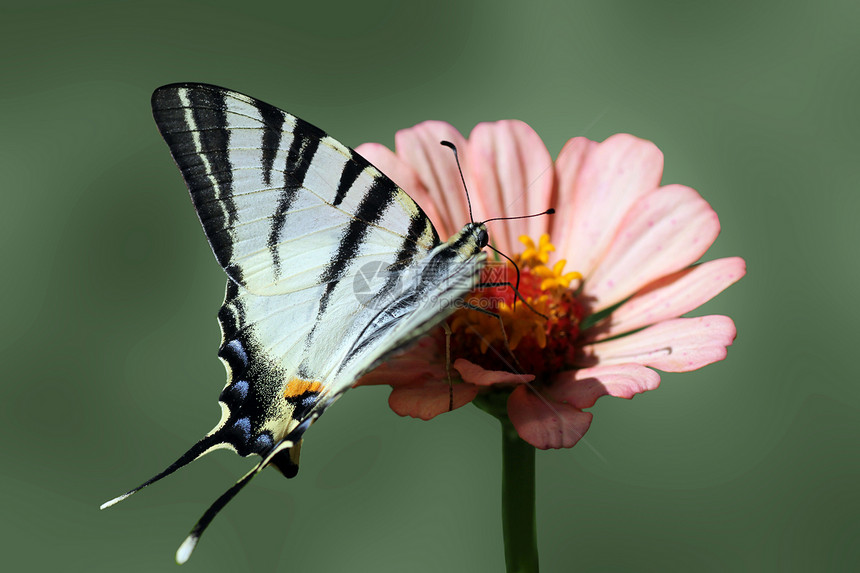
x=263 y=443
x=241 y=389
x=243 y=425
x=235 y=394
x=239 y=351
x=234 y=354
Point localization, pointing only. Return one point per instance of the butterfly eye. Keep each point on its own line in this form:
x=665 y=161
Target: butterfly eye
x=483 y=238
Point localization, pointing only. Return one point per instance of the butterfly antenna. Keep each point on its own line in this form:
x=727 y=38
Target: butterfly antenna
x=184 y=551
x=463 y=179
x=516 y=267
x=199 y=449
x=549 y=211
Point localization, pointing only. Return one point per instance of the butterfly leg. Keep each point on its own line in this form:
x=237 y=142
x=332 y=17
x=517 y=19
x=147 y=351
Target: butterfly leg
x=518 y=367
x=447 y=330
x=517 y=295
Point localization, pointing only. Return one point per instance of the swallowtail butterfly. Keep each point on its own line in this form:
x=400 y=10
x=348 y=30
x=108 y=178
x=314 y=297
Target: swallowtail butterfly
x=293 y=217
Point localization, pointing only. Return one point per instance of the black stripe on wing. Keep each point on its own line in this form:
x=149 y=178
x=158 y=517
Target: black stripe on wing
x=306 y=141
x=370 y=210
x=402 y=260
x=274 y=120
x=193 y=122
x=350 y=173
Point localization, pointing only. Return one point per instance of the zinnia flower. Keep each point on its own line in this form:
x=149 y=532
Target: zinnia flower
x=606 y=279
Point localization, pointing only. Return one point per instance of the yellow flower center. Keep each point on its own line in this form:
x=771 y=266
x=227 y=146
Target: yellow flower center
x=533 y=334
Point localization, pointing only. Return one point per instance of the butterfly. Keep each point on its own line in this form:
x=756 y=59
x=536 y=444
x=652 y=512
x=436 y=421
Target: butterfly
x=296 y=219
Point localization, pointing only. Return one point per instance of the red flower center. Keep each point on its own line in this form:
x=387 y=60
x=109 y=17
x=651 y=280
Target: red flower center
x=535 y=334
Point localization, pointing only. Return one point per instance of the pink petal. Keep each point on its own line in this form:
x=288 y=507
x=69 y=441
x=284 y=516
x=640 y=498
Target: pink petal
x=581 y=388
x=419 y=147
x=678 y=345
x=567 y=167
x=406 y=372
x=672 y=296
x=418 y=363
x=597 y=194
x=474 y=374
x=546 y=424
x=663 y=232
x=513 y=175
x=404 y=176
x=428 y=399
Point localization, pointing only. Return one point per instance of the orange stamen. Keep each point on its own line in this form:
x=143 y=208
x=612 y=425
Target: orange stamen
x=540 y=333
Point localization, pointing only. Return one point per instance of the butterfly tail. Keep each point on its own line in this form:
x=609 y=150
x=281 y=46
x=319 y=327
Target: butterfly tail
x=184 y=551
x=201 y=448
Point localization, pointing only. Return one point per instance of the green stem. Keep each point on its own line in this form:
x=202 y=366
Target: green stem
x=518 y=502
x=519 y=527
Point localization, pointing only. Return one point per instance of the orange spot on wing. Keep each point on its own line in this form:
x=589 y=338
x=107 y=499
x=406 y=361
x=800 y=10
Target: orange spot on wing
x=297 y=387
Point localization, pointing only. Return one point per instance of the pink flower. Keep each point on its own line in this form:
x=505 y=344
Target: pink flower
x=613 y=271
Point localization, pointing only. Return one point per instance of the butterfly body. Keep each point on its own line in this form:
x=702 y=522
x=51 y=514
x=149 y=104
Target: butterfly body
x=331 y=268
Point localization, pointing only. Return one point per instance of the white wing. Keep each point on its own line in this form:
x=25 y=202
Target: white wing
x=293 y=217
x=332 y=268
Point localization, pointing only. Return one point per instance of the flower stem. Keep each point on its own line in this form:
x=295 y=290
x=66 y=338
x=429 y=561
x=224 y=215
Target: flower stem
x=518 y=502
x=519 y=527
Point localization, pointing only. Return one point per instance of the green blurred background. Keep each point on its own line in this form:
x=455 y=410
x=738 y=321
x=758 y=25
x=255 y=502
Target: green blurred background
x=110 y=291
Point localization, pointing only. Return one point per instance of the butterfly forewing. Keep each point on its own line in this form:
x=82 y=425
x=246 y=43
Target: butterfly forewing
x=279 y=199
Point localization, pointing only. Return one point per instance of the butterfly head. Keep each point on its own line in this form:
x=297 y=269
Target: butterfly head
x=466 y=244
x=478 y=232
